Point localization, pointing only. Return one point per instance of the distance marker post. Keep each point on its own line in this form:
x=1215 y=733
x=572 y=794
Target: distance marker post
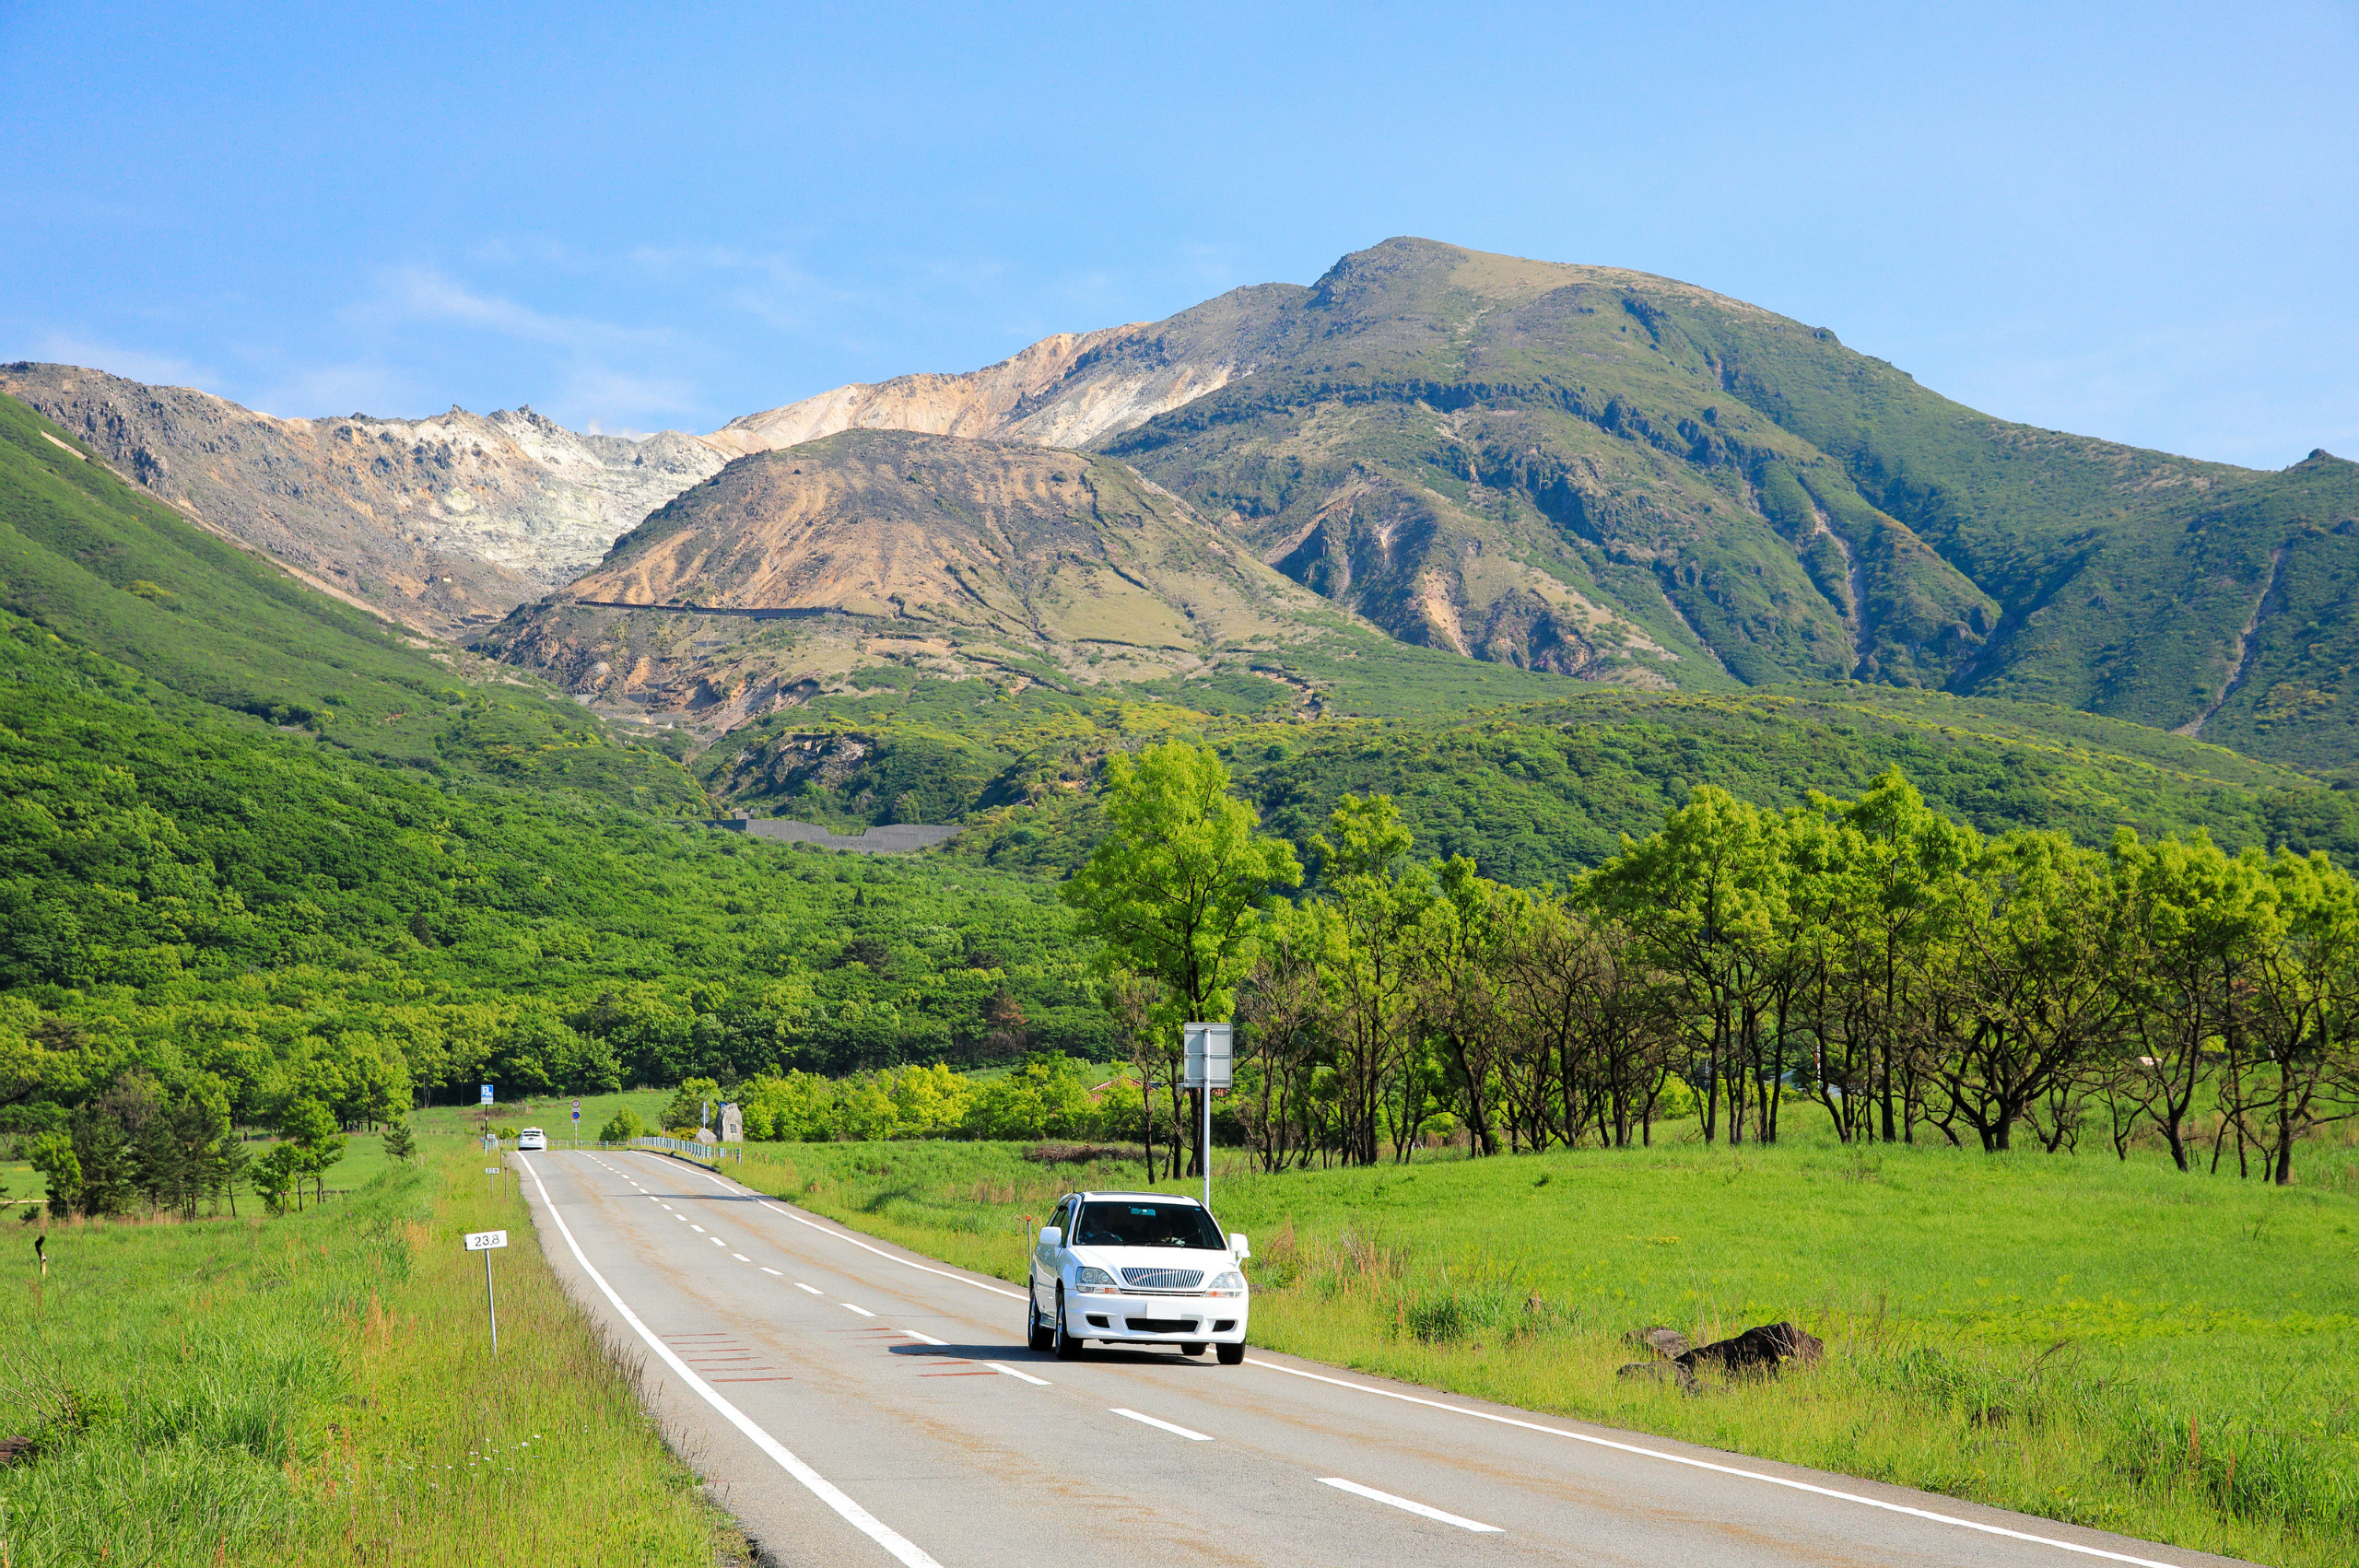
x=485 y=1241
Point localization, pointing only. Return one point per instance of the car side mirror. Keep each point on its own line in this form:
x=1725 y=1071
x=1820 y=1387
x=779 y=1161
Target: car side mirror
x=1052 y=1237
x=1238 y=1243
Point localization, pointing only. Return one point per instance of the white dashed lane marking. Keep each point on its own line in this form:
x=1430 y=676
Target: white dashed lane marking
x=1356 y=1490
x=1025 y=1376
x=812 y=1289
x=1164 y=1425
x=862 y=1310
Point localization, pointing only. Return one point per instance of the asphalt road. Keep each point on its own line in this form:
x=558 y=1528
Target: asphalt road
x=854 y=1403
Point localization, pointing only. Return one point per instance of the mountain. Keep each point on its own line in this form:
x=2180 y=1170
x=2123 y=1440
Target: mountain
x=445 y=522
x=1487 y=455
x=1015 y=562
x=1542 y=468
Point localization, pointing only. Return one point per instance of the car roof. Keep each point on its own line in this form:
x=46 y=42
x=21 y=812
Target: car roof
x=1158 y=1197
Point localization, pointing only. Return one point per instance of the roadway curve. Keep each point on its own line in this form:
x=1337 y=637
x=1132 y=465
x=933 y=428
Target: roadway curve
x=854 y=1403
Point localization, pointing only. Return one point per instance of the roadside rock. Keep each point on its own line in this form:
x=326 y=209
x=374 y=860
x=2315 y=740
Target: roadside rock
x=1764 y=1350
x=1668 y=1344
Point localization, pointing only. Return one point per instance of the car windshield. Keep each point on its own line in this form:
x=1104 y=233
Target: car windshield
x=1146 y=1224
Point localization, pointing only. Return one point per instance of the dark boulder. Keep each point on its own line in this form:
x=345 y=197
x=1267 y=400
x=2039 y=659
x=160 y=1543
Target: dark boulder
x=1667 y=1372
x=1764 y=1350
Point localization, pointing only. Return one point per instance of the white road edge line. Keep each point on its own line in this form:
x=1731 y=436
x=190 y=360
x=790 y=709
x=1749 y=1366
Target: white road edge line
x=1025 y=1376
x=1174 y=1431
x=922 y=1338
x=1725 y=1469
x=1356 y=1490
x=862 y=1310
x=904 y=1550
x=995 y=1290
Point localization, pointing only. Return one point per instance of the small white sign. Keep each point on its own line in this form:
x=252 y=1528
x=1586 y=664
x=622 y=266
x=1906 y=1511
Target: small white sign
x=484 y=1241
x=1207 y=1049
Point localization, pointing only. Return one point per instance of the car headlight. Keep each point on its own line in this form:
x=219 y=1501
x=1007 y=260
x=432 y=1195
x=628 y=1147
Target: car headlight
x=1229 y=1284
x=1091 y=1281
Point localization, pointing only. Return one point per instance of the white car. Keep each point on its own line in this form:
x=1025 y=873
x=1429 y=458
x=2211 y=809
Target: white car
x=532 y=1137
x=1136 y=1269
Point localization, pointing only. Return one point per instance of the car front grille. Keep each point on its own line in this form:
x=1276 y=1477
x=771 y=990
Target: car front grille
x=1162 y=1279
x=1160 y=1325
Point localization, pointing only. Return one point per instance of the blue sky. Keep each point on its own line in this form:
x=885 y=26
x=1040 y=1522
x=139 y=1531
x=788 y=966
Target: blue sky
x=2133 y=221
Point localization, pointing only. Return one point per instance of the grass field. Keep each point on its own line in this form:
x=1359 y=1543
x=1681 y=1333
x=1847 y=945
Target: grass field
x=318 y=1388
x=2115 y=1345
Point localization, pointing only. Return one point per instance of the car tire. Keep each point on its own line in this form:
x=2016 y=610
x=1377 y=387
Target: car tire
x=1233 y=1355
x=1037 y=1334
x=1066 y=1346
x=1194 y=1350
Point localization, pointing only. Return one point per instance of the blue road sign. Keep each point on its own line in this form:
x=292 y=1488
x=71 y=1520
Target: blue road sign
x=486 y=1093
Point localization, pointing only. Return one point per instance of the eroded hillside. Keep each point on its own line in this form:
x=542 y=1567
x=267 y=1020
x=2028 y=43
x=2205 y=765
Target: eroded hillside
x=792 y=570
x=446 y=521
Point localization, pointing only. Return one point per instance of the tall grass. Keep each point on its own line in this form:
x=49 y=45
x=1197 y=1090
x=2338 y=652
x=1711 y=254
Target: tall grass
x=317 y=1388
x=2120 y=1346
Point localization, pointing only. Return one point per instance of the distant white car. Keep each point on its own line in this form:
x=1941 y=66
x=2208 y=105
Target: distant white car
x=532 y=1137
x=1136 y=1268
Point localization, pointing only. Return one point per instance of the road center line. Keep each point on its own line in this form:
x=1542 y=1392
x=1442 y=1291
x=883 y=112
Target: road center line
x=1374 y=1496
x=1023 y=1376
x=1723 y=1469
x=904 y=1550
x=741 y=1258
x=767 y=1270
x=1166 y=1426
x=812 y=1289
x=924 y=1339
x=862 y=1310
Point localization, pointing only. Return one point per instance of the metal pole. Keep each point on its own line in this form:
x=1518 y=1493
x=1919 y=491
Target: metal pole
x=490 y=1306
x=1205 y=1095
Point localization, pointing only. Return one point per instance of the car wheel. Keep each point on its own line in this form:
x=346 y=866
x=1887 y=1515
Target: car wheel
x=1233 y=1355
x=1067 y=1347
x=1191 y=1350
x=1037 y=1334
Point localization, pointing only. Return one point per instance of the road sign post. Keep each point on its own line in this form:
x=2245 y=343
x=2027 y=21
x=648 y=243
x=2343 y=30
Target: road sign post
x=1210 y=1055
x=485 y=1241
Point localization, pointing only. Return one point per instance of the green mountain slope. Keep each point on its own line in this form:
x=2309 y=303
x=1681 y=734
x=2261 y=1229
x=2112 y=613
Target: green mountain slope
x=1531 y=791
x=1491 y=454
x=116 y=572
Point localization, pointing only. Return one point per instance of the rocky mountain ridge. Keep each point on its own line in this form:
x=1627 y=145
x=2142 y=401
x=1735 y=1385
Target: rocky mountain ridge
x=446 y=521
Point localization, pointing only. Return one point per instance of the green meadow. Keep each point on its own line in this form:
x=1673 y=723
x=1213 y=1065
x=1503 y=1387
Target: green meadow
x=2113 y=1345
x=318 y=1388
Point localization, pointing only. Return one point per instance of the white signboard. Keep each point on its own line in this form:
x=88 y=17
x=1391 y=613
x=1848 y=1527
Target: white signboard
x=1209 y=1054
x=484 y=1241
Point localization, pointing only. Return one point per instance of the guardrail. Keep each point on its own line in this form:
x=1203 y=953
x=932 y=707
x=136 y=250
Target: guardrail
x=709 y=1154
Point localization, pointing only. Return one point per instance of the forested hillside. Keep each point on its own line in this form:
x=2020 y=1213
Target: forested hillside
x=1532 y=793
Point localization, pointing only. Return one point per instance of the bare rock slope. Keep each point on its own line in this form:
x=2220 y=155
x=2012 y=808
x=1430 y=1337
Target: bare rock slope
x=1017 y=562
x=446 y=521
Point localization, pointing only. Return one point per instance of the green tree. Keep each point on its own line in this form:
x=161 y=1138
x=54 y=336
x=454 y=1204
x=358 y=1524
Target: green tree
x=401 y=1143
x=622 y=1127
x=688 y=1107
x=1176 y=887
x=311 y=1129
x=1706 y=897
x=52 y=1153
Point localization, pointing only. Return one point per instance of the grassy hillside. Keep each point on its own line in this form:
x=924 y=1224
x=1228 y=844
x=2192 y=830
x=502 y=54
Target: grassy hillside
x=2040 y=1349
x=121 y=575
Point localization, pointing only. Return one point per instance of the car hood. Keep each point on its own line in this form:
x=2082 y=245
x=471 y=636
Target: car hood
x=1115 y=1260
